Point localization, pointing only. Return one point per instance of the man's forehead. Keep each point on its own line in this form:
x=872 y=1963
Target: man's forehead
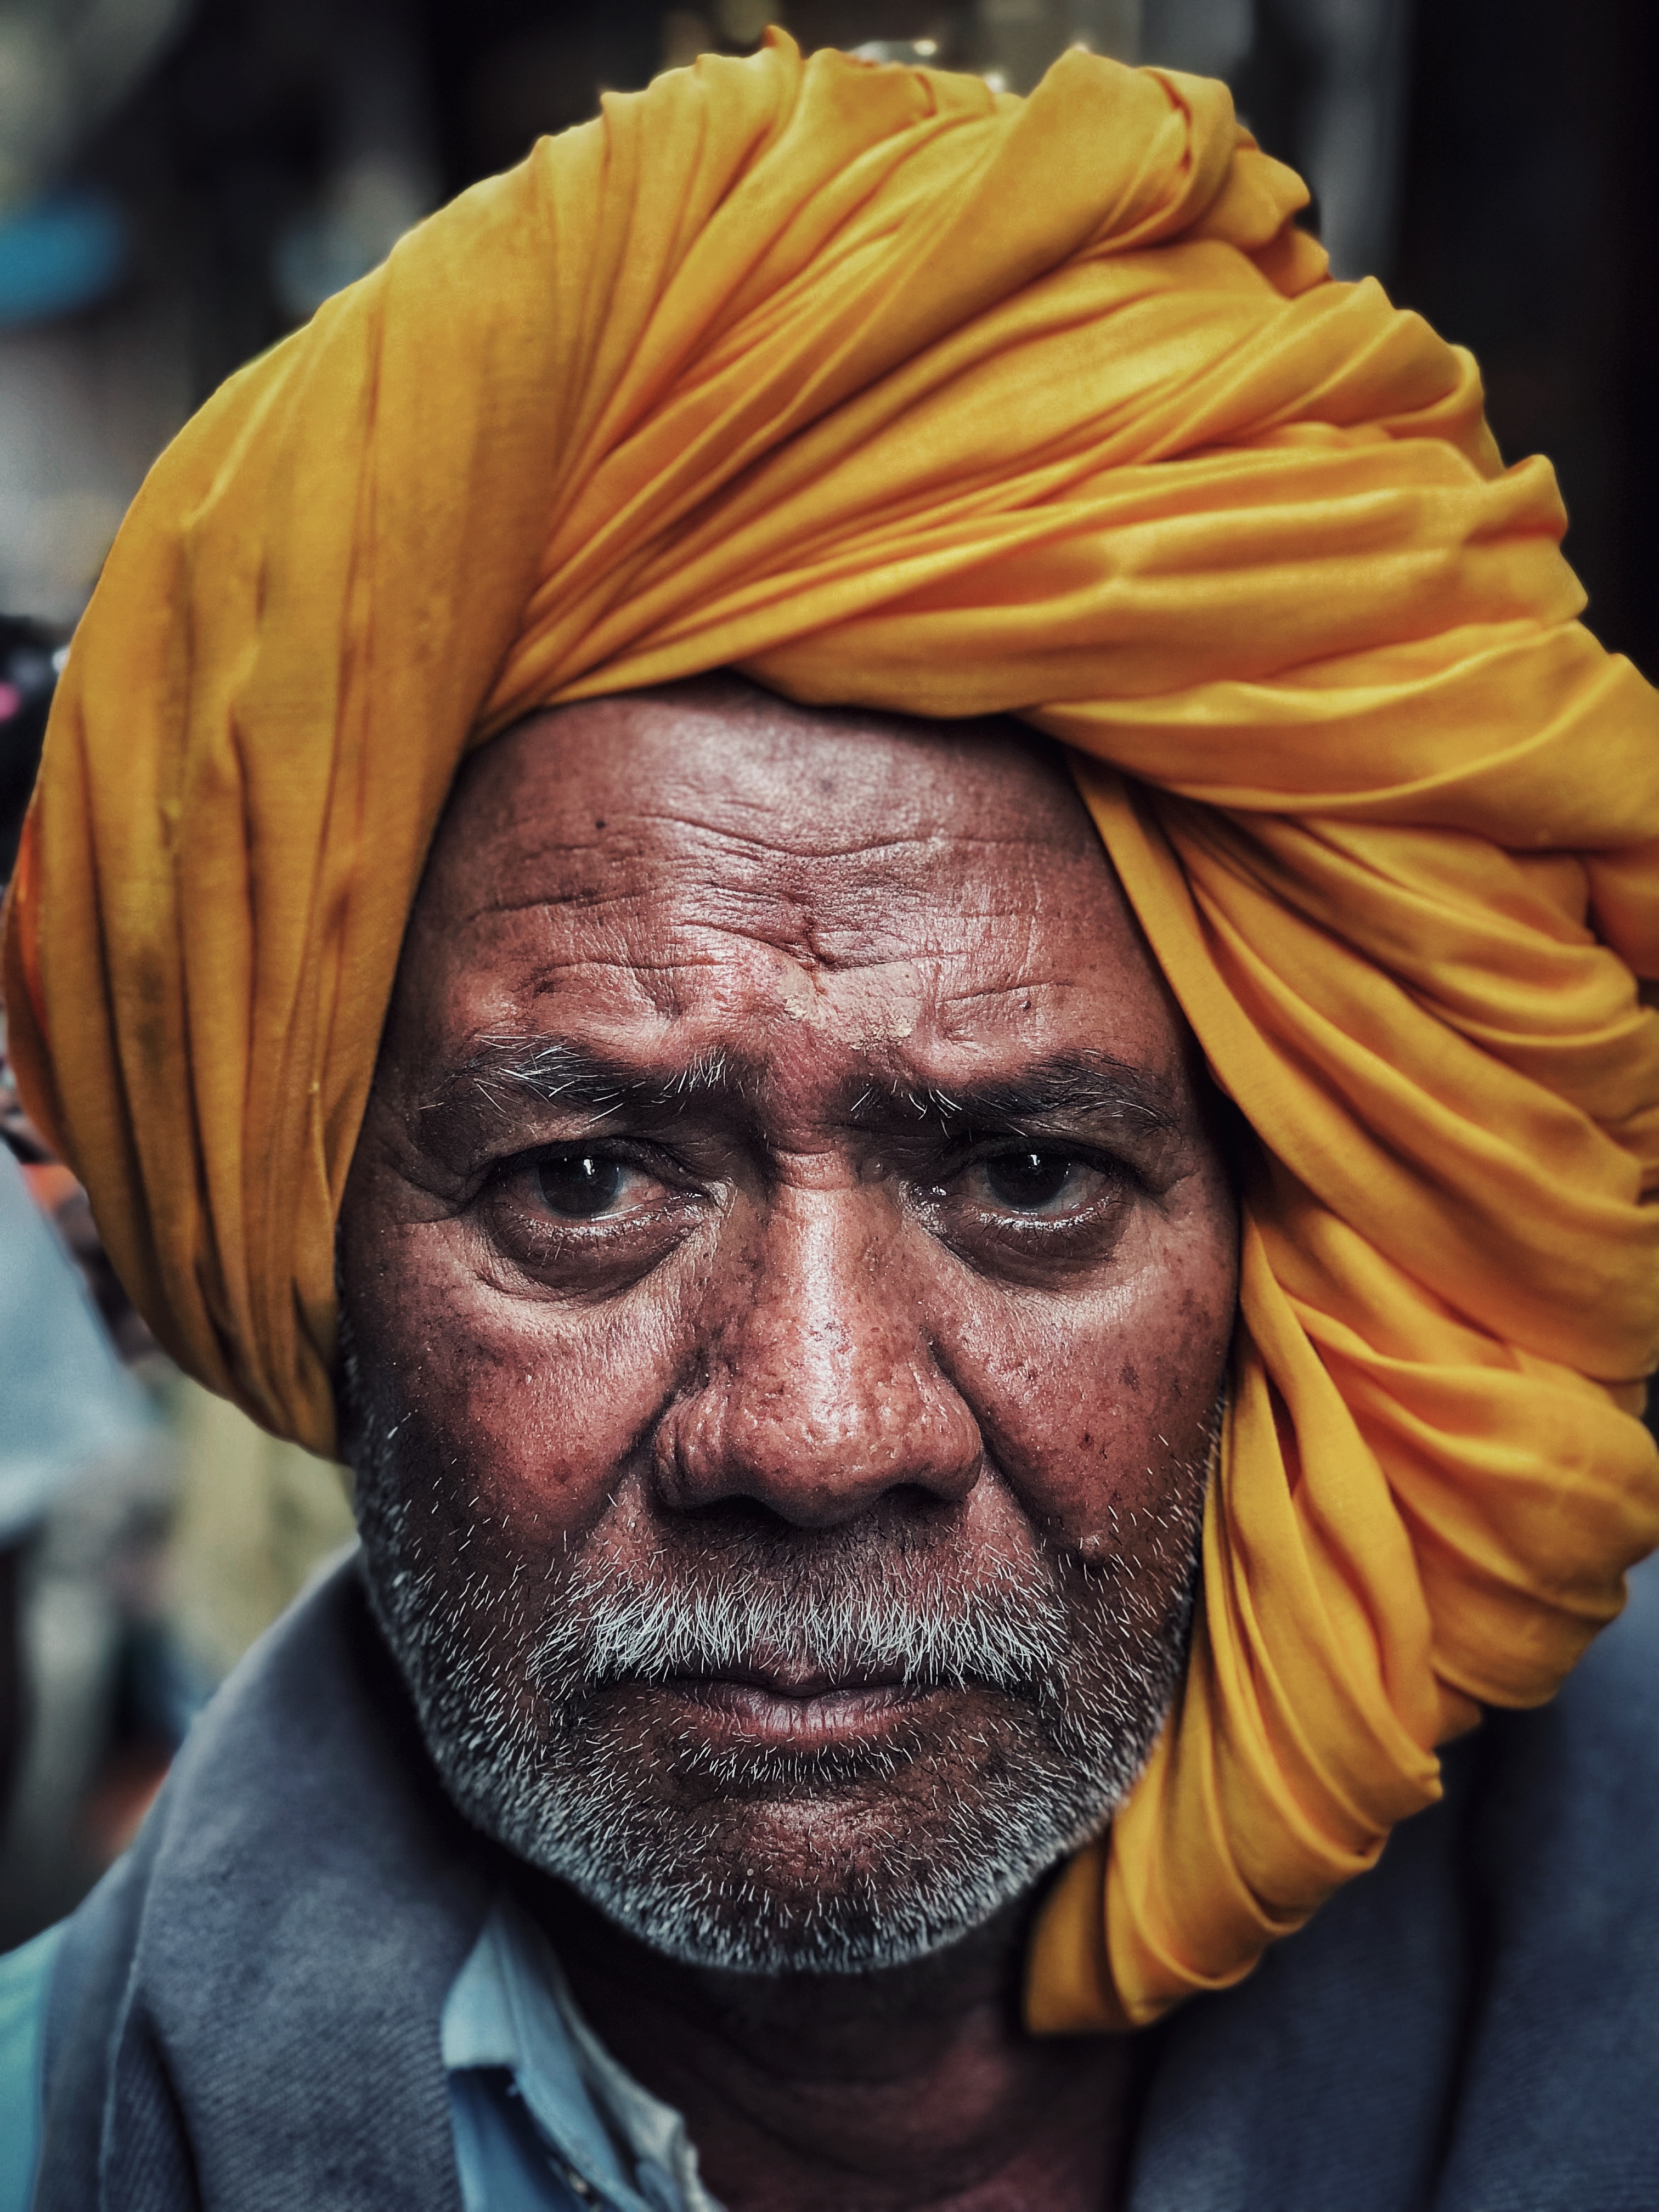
x=668 y=882
x=635 y=826
x=720 y=777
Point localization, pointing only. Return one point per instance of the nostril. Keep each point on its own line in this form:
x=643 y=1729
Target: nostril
x=733 y=1520
x=916 y=1505
x=906 y=1507
x=739 y=1531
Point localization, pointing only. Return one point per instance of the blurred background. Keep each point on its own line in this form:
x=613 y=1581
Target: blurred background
x=182 y=181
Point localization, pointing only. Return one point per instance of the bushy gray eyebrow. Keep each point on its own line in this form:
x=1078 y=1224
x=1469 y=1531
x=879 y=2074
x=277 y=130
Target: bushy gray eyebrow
x=1086 y=1085
x=553 y=1072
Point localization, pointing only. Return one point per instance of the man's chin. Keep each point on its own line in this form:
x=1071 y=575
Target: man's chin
x=839 y=1875
x=800 y=1901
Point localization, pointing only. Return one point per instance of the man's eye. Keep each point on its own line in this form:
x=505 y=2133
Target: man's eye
x=581 y=1185
x=1037 y=1182
x=585 y=1216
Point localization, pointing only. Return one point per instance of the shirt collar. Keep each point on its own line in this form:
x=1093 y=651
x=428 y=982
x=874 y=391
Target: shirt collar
x=510 y=2009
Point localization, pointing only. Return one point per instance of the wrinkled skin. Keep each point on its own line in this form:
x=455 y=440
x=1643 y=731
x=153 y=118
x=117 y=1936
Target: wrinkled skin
x=796 y=1297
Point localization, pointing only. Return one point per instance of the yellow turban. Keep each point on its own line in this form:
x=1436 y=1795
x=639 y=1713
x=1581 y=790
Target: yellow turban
x=893 y=391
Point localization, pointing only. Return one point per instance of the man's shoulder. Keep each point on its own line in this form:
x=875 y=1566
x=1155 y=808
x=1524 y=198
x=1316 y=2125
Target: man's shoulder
x=1562 y=2067
x=280 y=1937
x=1480 y=2006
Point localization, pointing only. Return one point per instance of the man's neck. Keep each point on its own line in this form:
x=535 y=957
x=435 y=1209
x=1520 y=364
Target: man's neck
x=916 y=2086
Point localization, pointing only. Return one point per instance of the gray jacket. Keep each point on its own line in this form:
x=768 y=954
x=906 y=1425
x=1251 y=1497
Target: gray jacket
x=244 y=2015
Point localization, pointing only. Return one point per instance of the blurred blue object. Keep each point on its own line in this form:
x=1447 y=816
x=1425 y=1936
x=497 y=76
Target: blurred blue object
x=67 y=1403
x=65 y=251
x=24 y=1979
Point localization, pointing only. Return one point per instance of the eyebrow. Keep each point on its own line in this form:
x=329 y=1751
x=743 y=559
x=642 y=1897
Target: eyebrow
x=1080 y=1085
x=552 y=1071
x=1088 y=1085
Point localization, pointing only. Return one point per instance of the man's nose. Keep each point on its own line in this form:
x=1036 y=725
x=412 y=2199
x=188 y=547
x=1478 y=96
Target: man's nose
x=816 y=1388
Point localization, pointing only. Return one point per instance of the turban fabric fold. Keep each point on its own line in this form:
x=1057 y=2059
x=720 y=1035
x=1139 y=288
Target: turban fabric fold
x=892 y=391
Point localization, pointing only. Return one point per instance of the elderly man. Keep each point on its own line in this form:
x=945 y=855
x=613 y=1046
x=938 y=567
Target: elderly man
x=960 y=1352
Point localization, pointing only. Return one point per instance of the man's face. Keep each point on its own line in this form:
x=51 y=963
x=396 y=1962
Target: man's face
x=788 y=1274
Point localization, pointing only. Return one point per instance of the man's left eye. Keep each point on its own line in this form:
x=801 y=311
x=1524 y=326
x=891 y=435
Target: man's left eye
x=580 y=1185
x=1030 y=1180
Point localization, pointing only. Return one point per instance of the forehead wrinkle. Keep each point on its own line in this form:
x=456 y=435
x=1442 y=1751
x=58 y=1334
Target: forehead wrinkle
x=820 y=926
x=665 y=843
x=783 y=834
x=582 y=864
x=688 y=970
x=790 y=842
x=926 y=875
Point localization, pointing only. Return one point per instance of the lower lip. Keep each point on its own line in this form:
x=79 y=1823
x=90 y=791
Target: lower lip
x=746 y=1713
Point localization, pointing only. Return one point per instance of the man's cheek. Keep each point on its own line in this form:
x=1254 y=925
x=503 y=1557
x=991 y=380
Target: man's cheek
x=543 y=1410
x=1084 y=1411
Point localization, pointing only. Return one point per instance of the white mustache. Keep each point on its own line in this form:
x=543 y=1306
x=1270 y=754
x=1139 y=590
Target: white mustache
x=1007 y=1631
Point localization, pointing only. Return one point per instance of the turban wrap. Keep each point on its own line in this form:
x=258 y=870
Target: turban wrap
x=893 y=391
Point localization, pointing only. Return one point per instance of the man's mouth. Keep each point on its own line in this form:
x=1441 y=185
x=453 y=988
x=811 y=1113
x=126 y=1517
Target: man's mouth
x=788 y=1708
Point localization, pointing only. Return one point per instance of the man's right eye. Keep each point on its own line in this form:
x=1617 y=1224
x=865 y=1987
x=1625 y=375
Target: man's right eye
x=584 y=1217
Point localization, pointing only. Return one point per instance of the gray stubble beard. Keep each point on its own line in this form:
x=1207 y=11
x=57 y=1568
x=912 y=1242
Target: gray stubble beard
x=1080 y=1662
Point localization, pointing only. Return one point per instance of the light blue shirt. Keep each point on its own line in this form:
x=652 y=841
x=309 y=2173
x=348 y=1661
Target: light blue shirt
x=545 y=2118
x=534 y=2095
